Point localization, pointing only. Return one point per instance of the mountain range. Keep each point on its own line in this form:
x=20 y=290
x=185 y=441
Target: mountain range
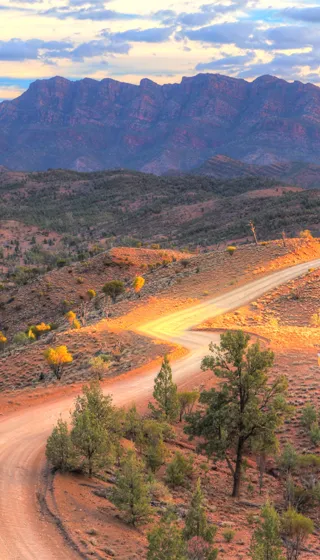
x=89 y=125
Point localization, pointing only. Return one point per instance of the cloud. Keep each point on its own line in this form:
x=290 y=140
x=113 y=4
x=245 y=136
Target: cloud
x=17 y=50
x=243 y=34
x=98 y=48
x=153 y=35
x=309 y=15
x=287 y=66
x=293 y=37
x=91 y=13
x=206 y=14
x=229 y=63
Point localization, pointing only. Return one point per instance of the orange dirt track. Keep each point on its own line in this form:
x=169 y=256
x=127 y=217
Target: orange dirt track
x=25 y=533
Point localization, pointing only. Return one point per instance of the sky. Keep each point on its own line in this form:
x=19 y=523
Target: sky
x=162 y=40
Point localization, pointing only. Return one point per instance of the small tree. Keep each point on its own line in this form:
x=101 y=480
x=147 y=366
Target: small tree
x=266 y=542
x=138 y=284
x=99 y=367
x=3 y=340
x=187 y=401
x=91 y=440
x=244 y=407
x=289 y=459
x=196 y=524
x=95 y=427
x=156 y=454
x=131 y=493
x=178 y=470
x=59 y=450
x=165 y=393
x=296 y=529
x=132 y=424
x=114 y=289
x=57 y=358
x=308 y=416
x=165 y=540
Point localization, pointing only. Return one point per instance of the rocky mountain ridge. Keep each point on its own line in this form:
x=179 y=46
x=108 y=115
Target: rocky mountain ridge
x=89 y=125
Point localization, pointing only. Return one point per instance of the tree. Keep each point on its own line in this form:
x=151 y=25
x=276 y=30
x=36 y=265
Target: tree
x=244 y=407
x=114 y=289
x=187 y=400
x=138 y=284
x=90 y=439
x=196 y=524
x=150 y=438
x=165 y=540
x=95 y=429
x=179 y=469
x=165 y=393
x=266 y=543
x=296 y=529
x=57 y=358
x=131 y=493
x=132 y=424
x=59 y=450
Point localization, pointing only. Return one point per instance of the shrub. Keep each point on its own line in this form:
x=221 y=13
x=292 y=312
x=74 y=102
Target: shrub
x=199 y=549
x=231 y=249
x=308 y=416
x=99 y=367
x=59 y=450
x=165 y=540
x=178 y=470
x=138 y=284
x=315 y=433
x=228 y=535
x=315 y=319
x=91 y=294
x=57 y=358
x=306 y=234
x=21 y=339
x=296 y=529
x=288 y=460
x=113 y=289
x=3 y=340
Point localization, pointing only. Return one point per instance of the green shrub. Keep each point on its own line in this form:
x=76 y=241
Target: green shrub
x=179 y=469
x=228 y=535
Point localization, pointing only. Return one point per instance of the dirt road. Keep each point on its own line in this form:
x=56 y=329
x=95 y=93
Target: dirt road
x=24 y=533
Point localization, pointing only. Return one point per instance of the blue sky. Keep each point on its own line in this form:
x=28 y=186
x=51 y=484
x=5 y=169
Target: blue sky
x=160 y=39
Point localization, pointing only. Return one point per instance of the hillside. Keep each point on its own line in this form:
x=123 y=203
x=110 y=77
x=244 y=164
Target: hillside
x=306 y=175
x=89 y=125
x=127 y=207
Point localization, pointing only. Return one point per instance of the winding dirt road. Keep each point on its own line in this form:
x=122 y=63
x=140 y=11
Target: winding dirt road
x=24 y=533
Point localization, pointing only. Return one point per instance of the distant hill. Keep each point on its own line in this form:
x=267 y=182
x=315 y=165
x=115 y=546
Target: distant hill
x=88 y=125
x=128 y=207
x=306 y=175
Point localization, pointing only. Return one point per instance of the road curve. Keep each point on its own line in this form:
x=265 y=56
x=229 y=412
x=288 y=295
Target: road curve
x=24 y=533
